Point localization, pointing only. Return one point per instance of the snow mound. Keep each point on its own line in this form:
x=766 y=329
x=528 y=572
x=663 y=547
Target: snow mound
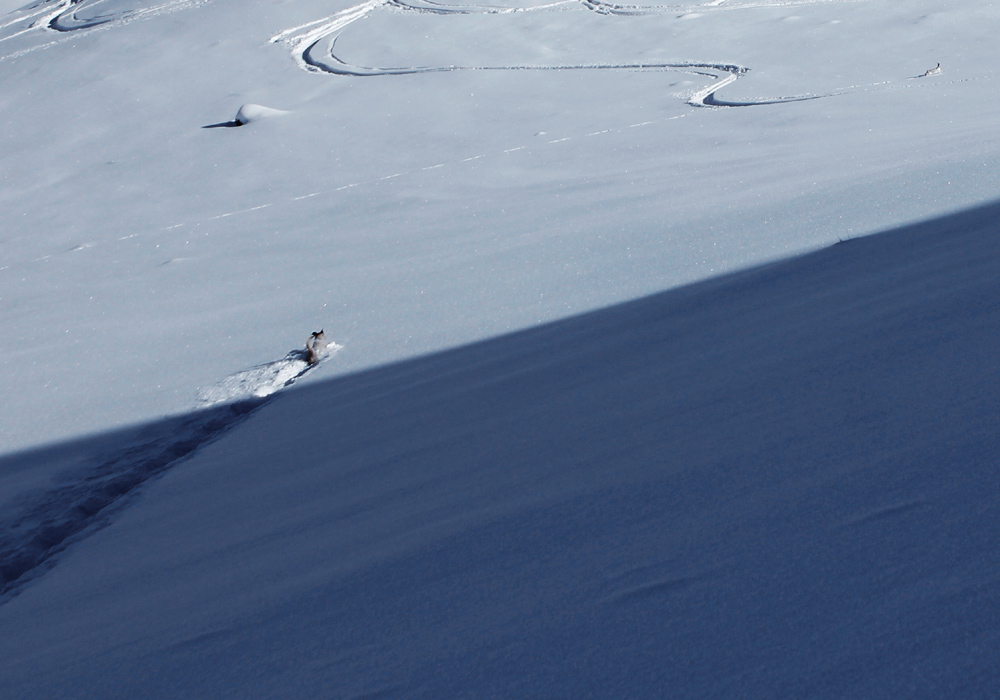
x=252 y=113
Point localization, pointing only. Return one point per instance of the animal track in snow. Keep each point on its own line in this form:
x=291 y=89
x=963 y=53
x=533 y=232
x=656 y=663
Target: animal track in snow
x=41 y=15
x=707 y=95
x=262 y=380
x=51 y=520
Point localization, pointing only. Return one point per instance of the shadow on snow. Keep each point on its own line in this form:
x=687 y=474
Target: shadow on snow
x=806 y=445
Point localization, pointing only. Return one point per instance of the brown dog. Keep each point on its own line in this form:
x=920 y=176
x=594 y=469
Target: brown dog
x=316 y=347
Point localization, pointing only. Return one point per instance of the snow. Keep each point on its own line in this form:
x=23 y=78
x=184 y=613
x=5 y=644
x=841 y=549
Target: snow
x=222 y=246
x=627 y=402
x=264 y=379
x=251 y=113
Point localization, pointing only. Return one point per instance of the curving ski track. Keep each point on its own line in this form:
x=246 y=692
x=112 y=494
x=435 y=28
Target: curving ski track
x=609 y=8
x=313 y=45
x=53 y=21
x=52 y=520
x=722 y=73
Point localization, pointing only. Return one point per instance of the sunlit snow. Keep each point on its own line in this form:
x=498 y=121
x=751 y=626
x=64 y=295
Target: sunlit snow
x=664 y=355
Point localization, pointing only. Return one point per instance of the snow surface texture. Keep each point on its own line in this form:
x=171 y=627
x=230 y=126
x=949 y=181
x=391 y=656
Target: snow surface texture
x=777 y=483
x=44 y=522
x=632 y=474
x=144 y=257
x=261 y=380
x=314 y=45
x=252 y=113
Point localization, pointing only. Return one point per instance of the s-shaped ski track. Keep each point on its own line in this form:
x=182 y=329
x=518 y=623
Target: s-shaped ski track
x=313 y=47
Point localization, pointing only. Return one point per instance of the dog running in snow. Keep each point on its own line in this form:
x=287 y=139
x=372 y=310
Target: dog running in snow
x=936 y=70
x=316 y=347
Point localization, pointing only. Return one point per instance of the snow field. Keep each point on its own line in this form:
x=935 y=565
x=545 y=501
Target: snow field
x=776 y=480
x=577 y=441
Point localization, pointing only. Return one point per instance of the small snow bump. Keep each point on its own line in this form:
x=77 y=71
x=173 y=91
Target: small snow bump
x=253 y=112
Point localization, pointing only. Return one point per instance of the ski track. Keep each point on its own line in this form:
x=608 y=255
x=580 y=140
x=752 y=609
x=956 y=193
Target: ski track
x=608 y=8
x=53 y=520
x=312 y=45
x=61 y=17
x=67 y=19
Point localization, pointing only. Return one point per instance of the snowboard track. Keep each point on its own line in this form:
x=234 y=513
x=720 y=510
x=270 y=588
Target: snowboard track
x=107 y=480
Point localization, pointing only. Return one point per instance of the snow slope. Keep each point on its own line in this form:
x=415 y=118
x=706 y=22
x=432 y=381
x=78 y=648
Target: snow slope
x=613 y=412
x=143 y=257
x=777 y=483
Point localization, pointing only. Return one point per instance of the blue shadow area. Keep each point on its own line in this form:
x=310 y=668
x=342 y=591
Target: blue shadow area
x=780 y=482
x=96 y=475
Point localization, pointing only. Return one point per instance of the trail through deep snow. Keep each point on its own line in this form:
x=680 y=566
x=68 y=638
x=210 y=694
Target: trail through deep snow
x=262 y=380
x=524 y=475
x=48 y=521
x=722 y=489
